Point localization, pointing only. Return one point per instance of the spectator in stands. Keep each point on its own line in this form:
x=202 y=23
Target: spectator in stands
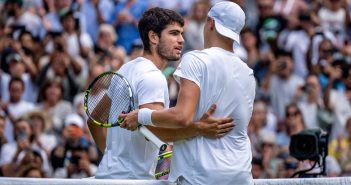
x=51 y=102
x=96 y=12
x=15 y=107
x=3 y=139
x=23 y=67
x=290 y=9
x=193 y=33
x=282 y=84
x=125 y=19
x=31 y=171
x=335 y=99
x=137 y=50
x=17 y=15
x=13 y=152
x=79 y=43
x=311 y=104
x=42 y=130
x=106 y=37
x=62 y=67
x=249 y=43
x=334 y=16
x=257 y=168
x=293 y=124
x=340 y=149
x=268 y=153
x=74 y=156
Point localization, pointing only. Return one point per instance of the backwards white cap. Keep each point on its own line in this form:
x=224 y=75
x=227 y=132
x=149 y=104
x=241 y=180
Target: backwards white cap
x=229 y=19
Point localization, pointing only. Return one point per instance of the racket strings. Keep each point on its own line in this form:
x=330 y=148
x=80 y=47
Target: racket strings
x=163 y=166
x=118 y=91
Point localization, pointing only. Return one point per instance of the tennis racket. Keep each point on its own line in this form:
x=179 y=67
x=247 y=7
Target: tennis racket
x=107 y=97
x=163 y=165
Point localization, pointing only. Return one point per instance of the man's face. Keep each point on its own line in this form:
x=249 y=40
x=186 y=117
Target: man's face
x=16 y=91
x=171 y=42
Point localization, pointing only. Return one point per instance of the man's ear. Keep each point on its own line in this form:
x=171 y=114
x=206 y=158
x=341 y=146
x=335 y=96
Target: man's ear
x=153 y=37
x=212 y=24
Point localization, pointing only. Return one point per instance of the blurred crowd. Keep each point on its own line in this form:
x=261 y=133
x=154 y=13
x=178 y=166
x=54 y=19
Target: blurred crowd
x=300 y=51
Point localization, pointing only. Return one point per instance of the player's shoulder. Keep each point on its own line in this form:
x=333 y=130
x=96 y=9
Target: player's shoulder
x=139 y=64
x=196 y=53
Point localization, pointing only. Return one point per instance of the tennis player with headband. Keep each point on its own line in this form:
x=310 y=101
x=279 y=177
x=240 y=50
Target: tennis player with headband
x=127 y=155
x=213 y=75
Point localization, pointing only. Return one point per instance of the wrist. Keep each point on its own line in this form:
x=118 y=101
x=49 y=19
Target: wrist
x=144 y=116
x=197 y=129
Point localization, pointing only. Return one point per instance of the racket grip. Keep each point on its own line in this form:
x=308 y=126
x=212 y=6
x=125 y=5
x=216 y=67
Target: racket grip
x=154 y=139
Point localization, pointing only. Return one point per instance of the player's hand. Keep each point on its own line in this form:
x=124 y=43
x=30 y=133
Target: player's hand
x=212 y=127
x=130 y=120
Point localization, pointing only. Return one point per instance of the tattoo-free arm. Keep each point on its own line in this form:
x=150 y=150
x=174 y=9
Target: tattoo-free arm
x=207 y=126
x=182 y=114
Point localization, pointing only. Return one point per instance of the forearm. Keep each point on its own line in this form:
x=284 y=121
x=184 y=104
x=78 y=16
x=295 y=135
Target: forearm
x=175 y=134
x=170 y=118
x=99 y=135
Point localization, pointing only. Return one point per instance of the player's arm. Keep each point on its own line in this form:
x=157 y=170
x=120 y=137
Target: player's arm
x=179 y=116
x=207 y=126
x=99 y=133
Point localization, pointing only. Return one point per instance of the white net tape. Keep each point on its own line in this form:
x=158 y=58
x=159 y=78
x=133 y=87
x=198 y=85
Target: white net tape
x=297 y=181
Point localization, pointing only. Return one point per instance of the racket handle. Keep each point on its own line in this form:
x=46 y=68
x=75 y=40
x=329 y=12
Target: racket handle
x=154 y=139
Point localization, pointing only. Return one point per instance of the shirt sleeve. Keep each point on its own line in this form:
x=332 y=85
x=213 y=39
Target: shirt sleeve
x=151 y=88
x=190 y=68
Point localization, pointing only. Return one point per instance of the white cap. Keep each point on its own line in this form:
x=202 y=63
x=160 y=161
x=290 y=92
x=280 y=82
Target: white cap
x=74 y=119
x=229 y=19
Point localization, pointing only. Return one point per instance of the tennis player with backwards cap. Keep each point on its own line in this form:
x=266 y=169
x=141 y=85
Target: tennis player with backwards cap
x=127 y=155
x=213 y=75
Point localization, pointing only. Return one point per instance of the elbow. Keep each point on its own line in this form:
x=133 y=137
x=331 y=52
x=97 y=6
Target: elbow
x=182 y=121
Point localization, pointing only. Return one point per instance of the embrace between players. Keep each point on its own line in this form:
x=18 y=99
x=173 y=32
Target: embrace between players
x=207 y=151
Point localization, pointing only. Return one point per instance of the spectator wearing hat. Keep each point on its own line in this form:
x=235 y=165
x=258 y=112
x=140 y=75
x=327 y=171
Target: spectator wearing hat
x=268 y=153
x=74 y=147
x=19 y=64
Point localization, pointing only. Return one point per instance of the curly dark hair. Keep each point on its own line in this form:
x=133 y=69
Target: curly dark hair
x=156 y=20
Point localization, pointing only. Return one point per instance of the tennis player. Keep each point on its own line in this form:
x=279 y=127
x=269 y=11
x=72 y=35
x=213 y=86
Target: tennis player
x=127 y=155
x=213 y=75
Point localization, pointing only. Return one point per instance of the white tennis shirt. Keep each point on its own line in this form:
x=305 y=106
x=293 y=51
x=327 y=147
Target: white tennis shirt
x=228 y=82
x=127 y=154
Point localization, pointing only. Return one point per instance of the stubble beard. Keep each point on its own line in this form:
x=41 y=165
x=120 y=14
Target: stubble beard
x=165 y=52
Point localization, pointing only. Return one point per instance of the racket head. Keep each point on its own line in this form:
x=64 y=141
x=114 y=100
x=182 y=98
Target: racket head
x=107 y=96
x=163 y=165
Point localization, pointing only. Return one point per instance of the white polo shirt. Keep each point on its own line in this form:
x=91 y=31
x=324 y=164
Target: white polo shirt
x=228 y=82
x=128 y=155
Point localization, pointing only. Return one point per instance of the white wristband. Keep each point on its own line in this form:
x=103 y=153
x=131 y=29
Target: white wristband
x=144 y=116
